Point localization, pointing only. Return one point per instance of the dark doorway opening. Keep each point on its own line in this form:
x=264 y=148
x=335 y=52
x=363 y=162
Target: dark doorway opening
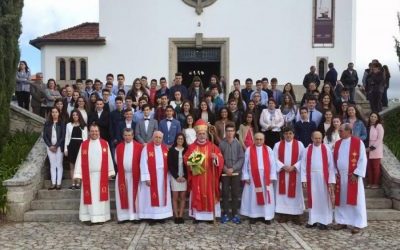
x=199 y=62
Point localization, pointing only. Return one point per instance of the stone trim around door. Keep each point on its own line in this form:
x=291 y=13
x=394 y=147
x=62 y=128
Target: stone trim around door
x=222 y=43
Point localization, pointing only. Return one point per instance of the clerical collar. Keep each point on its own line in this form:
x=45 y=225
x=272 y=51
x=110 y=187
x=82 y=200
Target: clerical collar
x=201 y=143
x=289 y=141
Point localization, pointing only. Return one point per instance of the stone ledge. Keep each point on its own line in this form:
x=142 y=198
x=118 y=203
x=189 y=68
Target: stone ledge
x=390 y=165
x=23 y=120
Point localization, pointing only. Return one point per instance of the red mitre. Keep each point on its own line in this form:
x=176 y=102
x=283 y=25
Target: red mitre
x=200 y=125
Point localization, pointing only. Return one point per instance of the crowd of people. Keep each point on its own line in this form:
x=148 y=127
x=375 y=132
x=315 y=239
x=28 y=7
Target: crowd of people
x=163 y=142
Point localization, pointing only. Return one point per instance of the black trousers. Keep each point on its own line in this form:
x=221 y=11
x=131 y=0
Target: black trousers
x=231 y=188
x=23 y=98
x=375 y=101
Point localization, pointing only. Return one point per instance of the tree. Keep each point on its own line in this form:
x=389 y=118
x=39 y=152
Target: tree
x=10 y=30
x=397 y=42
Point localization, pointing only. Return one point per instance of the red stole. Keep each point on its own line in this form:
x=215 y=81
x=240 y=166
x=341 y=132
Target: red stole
x=87 y=194
x=256 y=174
x=153 y=174
x=352 y=187
x=123 y=192
x=293 y=174
x=308 y=170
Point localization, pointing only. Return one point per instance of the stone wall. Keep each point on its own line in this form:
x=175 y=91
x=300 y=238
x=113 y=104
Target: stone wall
x=22 y=188
x=24 y=120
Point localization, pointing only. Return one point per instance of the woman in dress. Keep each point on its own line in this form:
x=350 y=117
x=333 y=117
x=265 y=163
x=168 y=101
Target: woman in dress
x=178 y=173
x=247 y=130
x=225 y=118
x=51 y=94
x=205 y=113
x=356 y=122
x=375 y=149
x=326 y=122
x=82 y=107
x=186 y=110
x=332 y=135
x=22 y=89
x=177 y=102
x=63 y=113
x=288 y=89
x=271 y=122
x=288 y=109
x=75 y=134
x=54 y=137
x=188 y=130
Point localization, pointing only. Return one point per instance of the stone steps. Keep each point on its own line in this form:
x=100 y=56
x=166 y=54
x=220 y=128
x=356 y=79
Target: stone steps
x=73 y=215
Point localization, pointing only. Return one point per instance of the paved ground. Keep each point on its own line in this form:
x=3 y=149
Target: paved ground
x=379 y=235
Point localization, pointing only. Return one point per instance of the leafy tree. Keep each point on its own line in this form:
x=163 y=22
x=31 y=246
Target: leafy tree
x=10 y=30
x=396 y=40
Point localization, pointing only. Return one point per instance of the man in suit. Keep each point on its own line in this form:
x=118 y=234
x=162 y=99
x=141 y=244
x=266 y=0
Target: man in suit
x=331 y=75
x=304 y=127
x=246 y=92
x=169 y=126
x=145 y=127
x=102 y=118
x=276 y=93
x=125 y=123
x=349 y=79
x=116 y=117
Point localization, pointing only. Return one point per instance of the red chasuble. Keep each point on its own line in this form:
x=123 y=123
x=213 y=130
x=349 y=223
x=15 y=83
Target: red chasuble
x=352 y=187
x=293 y=174
x=255 y=173
x=200 y=186
x=151 y=154
x=308 y=170
x=87 y=195
x=122 y=187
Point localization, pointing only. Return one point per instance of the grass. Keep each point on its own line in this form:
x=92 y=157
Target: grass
x=12 y=155
x=392 y=131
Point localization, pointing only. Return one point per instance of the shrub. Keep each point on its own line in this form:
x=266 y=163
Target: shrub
x=11 y=156
x=392 y=132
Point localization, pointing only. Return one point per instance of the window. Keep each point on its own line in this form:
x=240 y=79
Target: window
x=72 y=69
x=62 y=69
x=322 y=68
x=83 y=69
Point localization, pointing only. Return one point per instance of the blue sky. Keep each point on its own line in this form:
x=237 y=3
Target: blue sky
x=376 y=26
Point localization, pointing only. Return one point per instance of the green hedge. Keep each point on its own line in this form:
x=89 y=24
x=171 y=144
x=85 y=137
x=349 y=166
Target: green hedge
x=12 y=155
x=392 y=131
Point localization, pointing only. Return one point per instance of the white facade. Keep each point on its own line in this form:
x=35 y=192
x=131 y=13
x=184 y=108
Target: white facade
x=266 y=38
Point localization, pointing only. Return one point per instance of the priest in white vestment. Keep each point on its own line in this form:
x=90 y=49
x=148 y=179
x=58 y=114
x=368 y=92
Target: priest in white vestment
x=318 y=178
x=289 y=193
x=155 y=193
x=351 y=162
x=259 y=170
x=127 y=156
x=94 y=166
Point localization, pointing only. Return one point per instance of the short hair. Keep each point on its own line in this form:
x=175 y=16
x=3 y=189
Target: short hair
x=142 y=98
x=97 y=81
x=311 y=97
x=178 y=74
x=153 y=80
x=258 y=81
x=110 y=75
x=303 y=108
x=169 y=107
x=146 y=106
x=264 y=79
x=249 y=80
x=89 y=81
x=213 y=86
x=109 y=83
x=229 y=126
x=162 y=95
x=128 y=110
x=271 y=100
x=347 y=127
x=330 y=65
x=118 y=98
x=77 y=80
x=163 y=79
x=121 y=91
x=128 y=98
x=287 y=129
x=344 y=89
x=128 y=130
x=143 y=78
x=121 y=75
x=105 y=90
x=236 y=80
x=274 y=80
x=94 y=124
x=100 y=100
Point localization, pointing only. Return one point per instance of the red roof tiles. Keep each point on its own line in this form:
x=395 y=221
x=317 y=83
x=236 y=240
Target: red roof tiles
x=81 y=34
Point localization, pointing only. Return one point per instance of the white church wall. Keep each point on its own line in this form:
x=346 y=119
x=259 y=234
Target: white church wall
x=266 y=38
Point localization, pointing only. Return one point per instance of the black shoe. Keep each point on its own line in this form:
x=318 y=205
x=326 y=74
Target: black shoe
x=161 y=221
x=52 y=187
x=122 y=222
x=196 y=222
x=58 y=187
x=311 y=226
x=136 y=221
x=268 y=222
x=88 y=223
x=176 y=220
x=72 y=187
x=322 y=227
x=181 y=221
x=152 y=222
x=252 y=221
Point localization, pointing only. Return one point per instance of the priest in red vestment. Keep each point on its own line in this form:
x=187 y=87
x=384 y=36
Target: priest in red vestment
x=94 y=166
x=127 y=156
x=203 y=178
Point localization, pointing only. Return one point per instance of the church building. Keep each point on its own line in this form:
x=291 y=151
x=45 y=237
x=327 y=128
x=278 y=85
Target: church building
x=229 y=38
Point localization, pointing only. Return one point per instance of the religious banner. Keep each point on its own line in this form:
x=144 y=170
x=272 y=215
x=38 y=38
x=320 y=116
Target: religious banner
x=323 y=23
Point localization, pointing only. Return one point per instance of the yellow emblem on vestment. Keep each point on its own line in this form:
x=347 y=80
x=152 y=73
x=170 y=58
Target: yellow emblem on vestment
x=151 y=154
x=84 y=152
x=104 y=189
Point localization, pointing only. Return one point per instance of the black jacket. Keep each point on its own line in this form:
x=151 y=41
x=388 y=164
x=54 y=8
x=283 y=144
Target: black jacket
x=103 y=122
x=47 y=132
x=173 y=164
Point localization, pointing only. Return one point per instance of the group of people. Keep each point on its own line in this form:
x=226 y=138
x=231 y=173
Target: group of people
x=157 y=140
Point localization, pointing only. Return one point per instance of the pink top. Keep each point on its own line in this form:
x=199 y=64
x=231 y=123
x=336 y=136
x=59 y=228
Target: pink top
x=248 y=141
x=376 y=139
